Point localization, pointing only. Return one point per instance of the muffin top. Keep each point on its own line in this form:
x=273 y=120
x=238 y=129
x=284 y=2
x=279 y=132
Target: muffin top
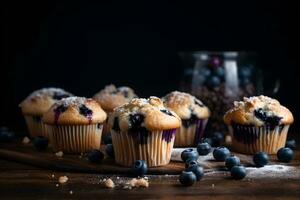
x=111 y=97
x=41 y=100
x=185 y=105
x=258 y=111
x=143 y=113
x=74 y=111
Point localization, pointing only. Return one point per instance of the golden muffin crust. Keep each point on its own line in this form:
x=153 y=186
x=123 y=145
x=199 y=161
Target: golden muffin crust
x=258 y=111
x=185 y=105
x=146 y=113
x=41 y=100
x=111 y=97
x=74 y=111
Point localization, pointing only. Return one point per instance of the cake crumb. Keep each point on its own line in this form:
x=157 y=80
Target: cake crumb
x=213 y=185
x=63 y=179
x=71 y=192
x=59 y=154
x=53 y=176
x=25 y=140
x=57 y=185
x=138 y=182
x=109 y=183
x=228 y=140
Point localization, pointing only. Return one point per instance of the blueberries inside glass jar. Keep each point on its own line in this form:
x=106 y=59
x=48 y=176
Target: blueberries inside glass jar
x=136 y=120
x=166 y=112
x=269 y=120
x=85 y=111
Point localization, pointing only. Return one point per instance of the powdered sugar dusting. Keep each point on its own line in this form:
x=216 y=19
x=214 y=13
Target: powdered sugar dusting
x=272 y=171
x=51 y=91
x=69 y=101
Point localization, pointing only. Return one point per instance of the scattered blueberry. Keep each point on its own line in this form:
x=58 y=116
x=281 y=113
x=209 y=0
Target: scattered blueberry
x=291 y=144
x=203 y=148
x=95 y=156
x=197 y=170
x=189 y=162
x=208 y=140
x=187 y=178
x=260 y=159
x=221 y=153
x=213 y=81
x=107 y=139
x=110 y=150
x=232 y=161
x=40 y=143
x=6 y=135
x=285 y=154
x=139 y=168
x=238 y=172
x=217 y=139
x=189 y=154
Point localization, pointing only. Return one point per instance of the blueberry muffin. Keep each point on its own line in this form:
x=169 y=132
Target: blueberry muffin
x=74 y=125
x=258 y=123
x=194 y=116
x=111 y=97
x=143 y=129
x=36 y=104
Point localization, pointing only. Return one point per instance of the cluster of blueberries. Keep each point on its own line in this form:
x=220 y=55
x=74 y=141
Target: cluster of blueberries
x=193 y=172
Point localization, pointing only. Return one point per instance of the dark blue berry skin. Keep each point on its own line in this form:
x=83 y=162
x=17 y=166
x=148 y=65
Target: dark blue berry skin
x=139 y=168
x=107 y=139
x=245 y=71
x=291 y=144
x=221 y=153
x=41 y=143
x=269 y=120
x=187 y=178
x=232 y=161
x=213 y=81
x=110 y=150
x=217 y=139
x=285 y=154
x=6 y=136
x=208 y=140
x=189 y=154
x=197 y=170
x=260 y=159
x=220 y=72
x=203 y=148
x=189 y=162
x=95 y=156
x=238 y=172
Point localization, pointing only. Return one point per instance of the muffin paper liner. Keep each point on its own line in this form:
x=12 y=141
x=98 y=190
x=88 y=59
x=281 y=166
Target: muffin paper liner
x=250 y=139
x=35 y=126
x=75 y=138
x=106 y=127
x=154 y=147
x=192 y=135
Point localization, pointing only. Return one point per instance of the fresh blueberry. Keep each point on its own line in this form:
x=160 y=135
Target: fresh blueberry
x=285 y=154
x=190 y=161
x=232 y=161
x=136 y=120
x=217 y=139
x=85 y=111
x=189 y=154
x=95 y=156
x=203 y=148
x=269 y=120
x=107 y=139
x=221 y=153
x=110 y=150
x=260 y=159
x=238 y=172
x=40 y=143
x=197 y=170
x=6 y=135
x=139 y=168
x=208 y=140
x=291 y=144
x=187 y=178
x=213 y=81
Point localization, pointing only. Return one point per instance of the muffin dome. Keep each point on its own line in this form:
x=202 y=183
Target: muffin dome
x=41 y=100
x=74 y=110
x=111 y=96
x=143 y=113
x=185 y=105
x=258 y=111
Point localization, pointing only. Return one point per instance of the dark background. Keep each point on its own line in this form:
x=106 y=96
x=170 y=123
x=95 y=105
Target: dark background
x=83 y=46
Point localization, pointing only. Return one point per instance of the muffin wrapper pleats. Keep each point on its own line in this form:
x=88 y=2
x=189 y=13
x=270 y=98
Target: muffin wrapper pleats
x=35 y=127
x=191 y=136
x=106 y=127
x=75 y=138
x=156 y=150
x=251 y=139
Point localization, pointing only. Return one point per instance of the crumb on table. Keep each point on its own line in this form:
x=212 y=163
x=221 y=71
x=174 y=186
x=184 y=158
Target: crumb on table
x=138 y=182
x=59 y=154
x=25 y=140
x=109 y=183
x=63 y=179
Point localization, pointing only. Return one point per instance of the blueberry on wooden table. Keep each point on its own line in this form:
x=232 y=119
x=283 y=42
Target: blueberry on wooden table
x=285 y=154
x=197 y=170
x=190 y=161
x=203 y=148
x=238 y=172
x=260 y=159
x=232 y=161
x=40 y=143
x=139 y=168
x=187 y=178
x=291 y=144
x=95 y=156
x=189 y=154
x=221 y=153
x=110 y=150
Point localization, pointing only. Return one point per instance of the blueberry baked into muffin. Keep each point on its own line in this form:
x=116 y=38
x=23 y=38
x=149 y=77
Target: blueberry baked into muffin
x=194 y=116
x=258 y=123
x=111 y=97
x=38 y=103
x=143 y=129
x=74 y=125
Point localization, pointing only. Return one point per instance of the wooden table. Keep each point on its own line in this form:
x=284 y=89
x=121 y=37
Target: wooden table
x=20 y=181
